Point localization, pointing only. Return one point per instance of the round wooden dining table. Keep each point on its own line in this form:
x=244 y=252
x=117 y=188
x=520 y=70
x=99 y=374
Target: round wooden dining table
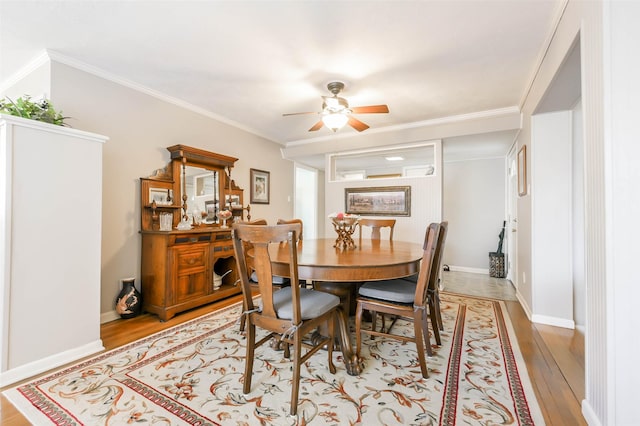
x=320 y=261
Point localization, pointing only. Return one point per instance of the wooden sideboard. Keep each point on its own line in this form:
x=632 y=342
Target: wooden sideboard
x=178 y=269
x=179 y=266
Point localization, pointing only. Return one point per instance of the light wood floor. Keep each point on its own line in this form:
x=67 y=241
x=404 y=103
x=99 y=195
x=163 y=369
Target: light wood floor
x=554 y=356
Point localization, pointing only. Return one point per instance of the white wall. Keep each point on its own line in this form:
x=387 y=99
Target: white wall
x=140 y=127
x=551 y=196
x=426 y=201
x=474 y=204
x=621 y=153
x=50 y=280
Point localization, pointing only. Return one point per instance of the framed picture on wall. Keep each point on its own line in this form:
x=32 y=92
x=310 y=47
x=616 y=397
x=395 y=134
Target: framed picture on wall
x=522 y=171
x=260 y=186
x=382 y=201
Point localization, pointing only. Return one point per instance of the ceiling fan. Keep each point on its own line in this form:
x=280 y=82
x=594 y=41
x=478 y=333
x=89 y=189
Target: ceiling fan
x=336 y=111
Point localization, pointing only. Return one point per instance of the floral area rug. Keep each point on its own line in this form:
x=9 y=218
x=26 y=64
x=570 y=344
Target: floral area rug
x=192 y=374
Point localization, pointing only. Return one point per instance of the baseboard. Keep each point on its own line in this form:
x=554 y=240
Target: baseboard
x=524 y=305
x=36 y=367
x=555 y=321
x=590 y=415
x=109 y=316
x=466 y=269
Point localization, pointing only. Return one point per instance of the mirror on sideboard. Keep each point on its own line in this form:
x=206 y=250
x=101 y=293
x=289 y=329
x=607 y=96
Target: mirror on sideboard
x=199 y=177
x=190 y=191
x=202 y=187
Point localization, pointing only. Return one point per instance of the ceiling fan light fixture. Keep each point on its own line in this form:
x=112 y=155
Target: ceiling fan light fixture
x=334 y=104
x=335 y=121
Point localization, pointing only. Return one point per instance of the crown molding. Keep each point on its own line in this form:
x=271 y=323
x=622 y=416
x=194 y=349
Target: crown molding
x=41 y=59
x=51 y=55
x=499 y=112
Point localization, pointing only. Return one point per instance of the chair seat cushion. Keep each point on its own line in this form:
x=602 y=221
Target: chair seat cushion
x=277 y=280
x=413 y=278
x=312 y=303
x=398 y=290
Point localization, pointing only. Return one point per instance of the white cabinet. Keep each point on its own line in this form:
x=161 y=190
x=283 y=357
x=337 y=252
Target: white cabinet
x=51 y=203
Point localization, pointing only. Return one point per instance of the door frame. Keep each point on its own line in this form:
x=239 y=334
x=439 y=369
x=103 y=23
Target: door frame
x=512 y=214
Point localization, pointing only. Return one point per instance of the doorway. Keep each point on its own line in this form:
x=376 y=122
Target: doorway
x=305 y=205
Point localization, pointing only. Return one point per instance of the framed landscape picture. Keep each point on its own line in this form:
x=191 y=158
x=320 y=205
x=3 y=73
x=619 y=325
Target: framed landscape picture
x=381 y=201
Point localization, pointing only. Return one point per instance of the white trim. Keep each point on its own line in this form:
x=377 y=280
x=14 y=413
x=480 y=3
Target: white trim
x=52 y=128
x=555 y=321
x=524 y=305
x=543 y=54
x=33 y=368
x=109 y=316
x=589 y=414
x=470 y=270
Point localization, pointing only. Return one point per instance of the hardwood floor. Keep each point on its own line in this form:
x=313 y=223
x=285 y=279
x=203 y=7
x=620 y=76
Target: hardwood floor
x=554 y=356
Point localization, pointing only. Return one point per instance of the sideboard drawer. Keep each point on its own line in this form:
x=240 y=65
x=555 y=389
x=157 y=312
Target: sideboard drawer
x=192 y=256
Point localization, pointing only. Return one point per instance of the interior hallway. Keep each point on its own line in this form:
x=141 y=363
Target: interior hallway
x=554 y=355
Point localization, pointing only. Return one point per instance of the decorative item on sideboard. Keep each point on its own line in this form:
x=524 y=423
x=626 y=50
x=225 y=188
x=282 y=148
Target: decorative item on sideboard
x=224 y=215
x=129 y=301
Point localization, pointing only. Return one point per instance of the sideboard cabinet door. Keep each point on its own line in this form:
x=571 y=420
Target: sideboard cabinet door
x=190 y=266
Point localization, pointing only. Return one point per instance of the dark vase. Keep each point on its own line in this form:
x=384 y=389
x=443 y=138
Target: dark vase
x=129 y=301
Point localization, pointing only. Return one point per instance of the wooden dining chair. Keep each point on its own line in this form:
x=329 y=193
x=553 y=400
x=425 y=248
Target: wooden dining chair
x=403 y=300
x=288 y=313
x=291 y=221
x=250 y=270
x=433 y=291
x=376 y=226
x=278 y=281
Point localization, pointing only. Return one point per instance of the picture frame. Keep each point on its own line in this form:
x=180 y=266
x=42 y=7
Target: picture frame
x=522 y=171
x=162 y=196
x=260 y=184
x=378 y=201
x=233 y=200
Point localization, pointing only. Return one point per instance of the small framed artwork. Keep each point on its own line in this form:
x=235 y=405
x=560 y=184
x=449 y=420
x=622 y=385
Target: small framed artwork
x=522 y=171
x=382 y=201
x=162 y=197
x=260 y=186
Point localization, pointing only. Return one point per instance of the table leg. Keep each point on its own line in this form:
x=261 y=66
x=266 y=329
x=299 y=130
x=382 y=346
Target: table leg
x=351 y=360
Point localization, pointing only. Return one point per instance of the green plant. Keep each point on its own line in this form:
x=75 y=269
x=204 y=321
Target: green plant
x=41 y=110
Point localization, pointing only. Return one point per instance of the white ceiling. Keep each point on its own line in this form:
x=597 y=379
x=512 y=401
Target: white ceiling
x=248 y=62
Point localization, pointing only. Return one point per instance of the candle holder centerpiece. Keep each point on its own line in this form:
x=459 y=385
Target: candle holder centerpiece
x=223 y=215
x=345 y=226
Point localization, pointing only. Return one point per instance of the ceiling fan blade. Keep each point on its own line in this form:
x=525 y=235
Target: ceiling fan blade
x=317 y=126
x=371 y=109
x=357 y=124
x=299 y=113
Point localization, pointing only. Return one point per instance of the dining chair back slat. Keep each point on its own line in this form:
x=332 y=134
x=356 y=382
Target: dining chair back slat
x=434 y=284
